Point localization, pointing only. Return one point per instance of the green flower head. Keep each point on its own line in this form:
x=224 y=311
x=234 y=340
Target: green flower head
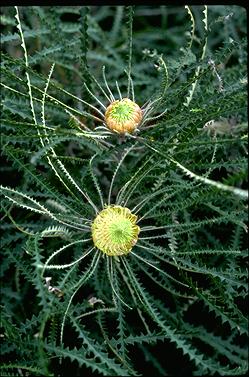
x=114 y=230
x=123 y=116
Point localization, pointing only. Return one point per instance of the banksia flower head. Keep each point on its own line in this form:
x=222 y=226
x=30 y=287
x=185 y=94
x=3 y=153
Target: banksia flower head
x=123 y=116
x=114 y=230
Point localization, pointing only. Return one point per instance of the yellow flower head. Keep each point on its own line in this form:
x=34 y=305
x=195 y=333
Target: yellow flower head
x=123 y=116
x=114 y=230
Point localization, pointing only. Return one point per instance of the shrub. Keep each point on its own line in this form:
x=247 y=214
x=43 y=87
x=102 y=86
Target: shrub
x=124 y=224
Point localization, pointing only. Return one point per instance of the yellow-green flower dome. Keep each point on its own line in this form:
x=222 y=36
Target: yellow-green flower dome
x=114 y=230
x=123 y=116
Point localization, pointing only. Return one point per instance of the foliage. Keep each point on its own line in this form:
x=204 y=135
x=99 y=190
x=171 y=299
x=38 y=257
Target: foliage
x=67 y=307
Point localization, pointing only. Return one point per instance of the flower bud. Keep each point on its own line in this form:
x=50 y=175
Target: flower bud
x=123 y=116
